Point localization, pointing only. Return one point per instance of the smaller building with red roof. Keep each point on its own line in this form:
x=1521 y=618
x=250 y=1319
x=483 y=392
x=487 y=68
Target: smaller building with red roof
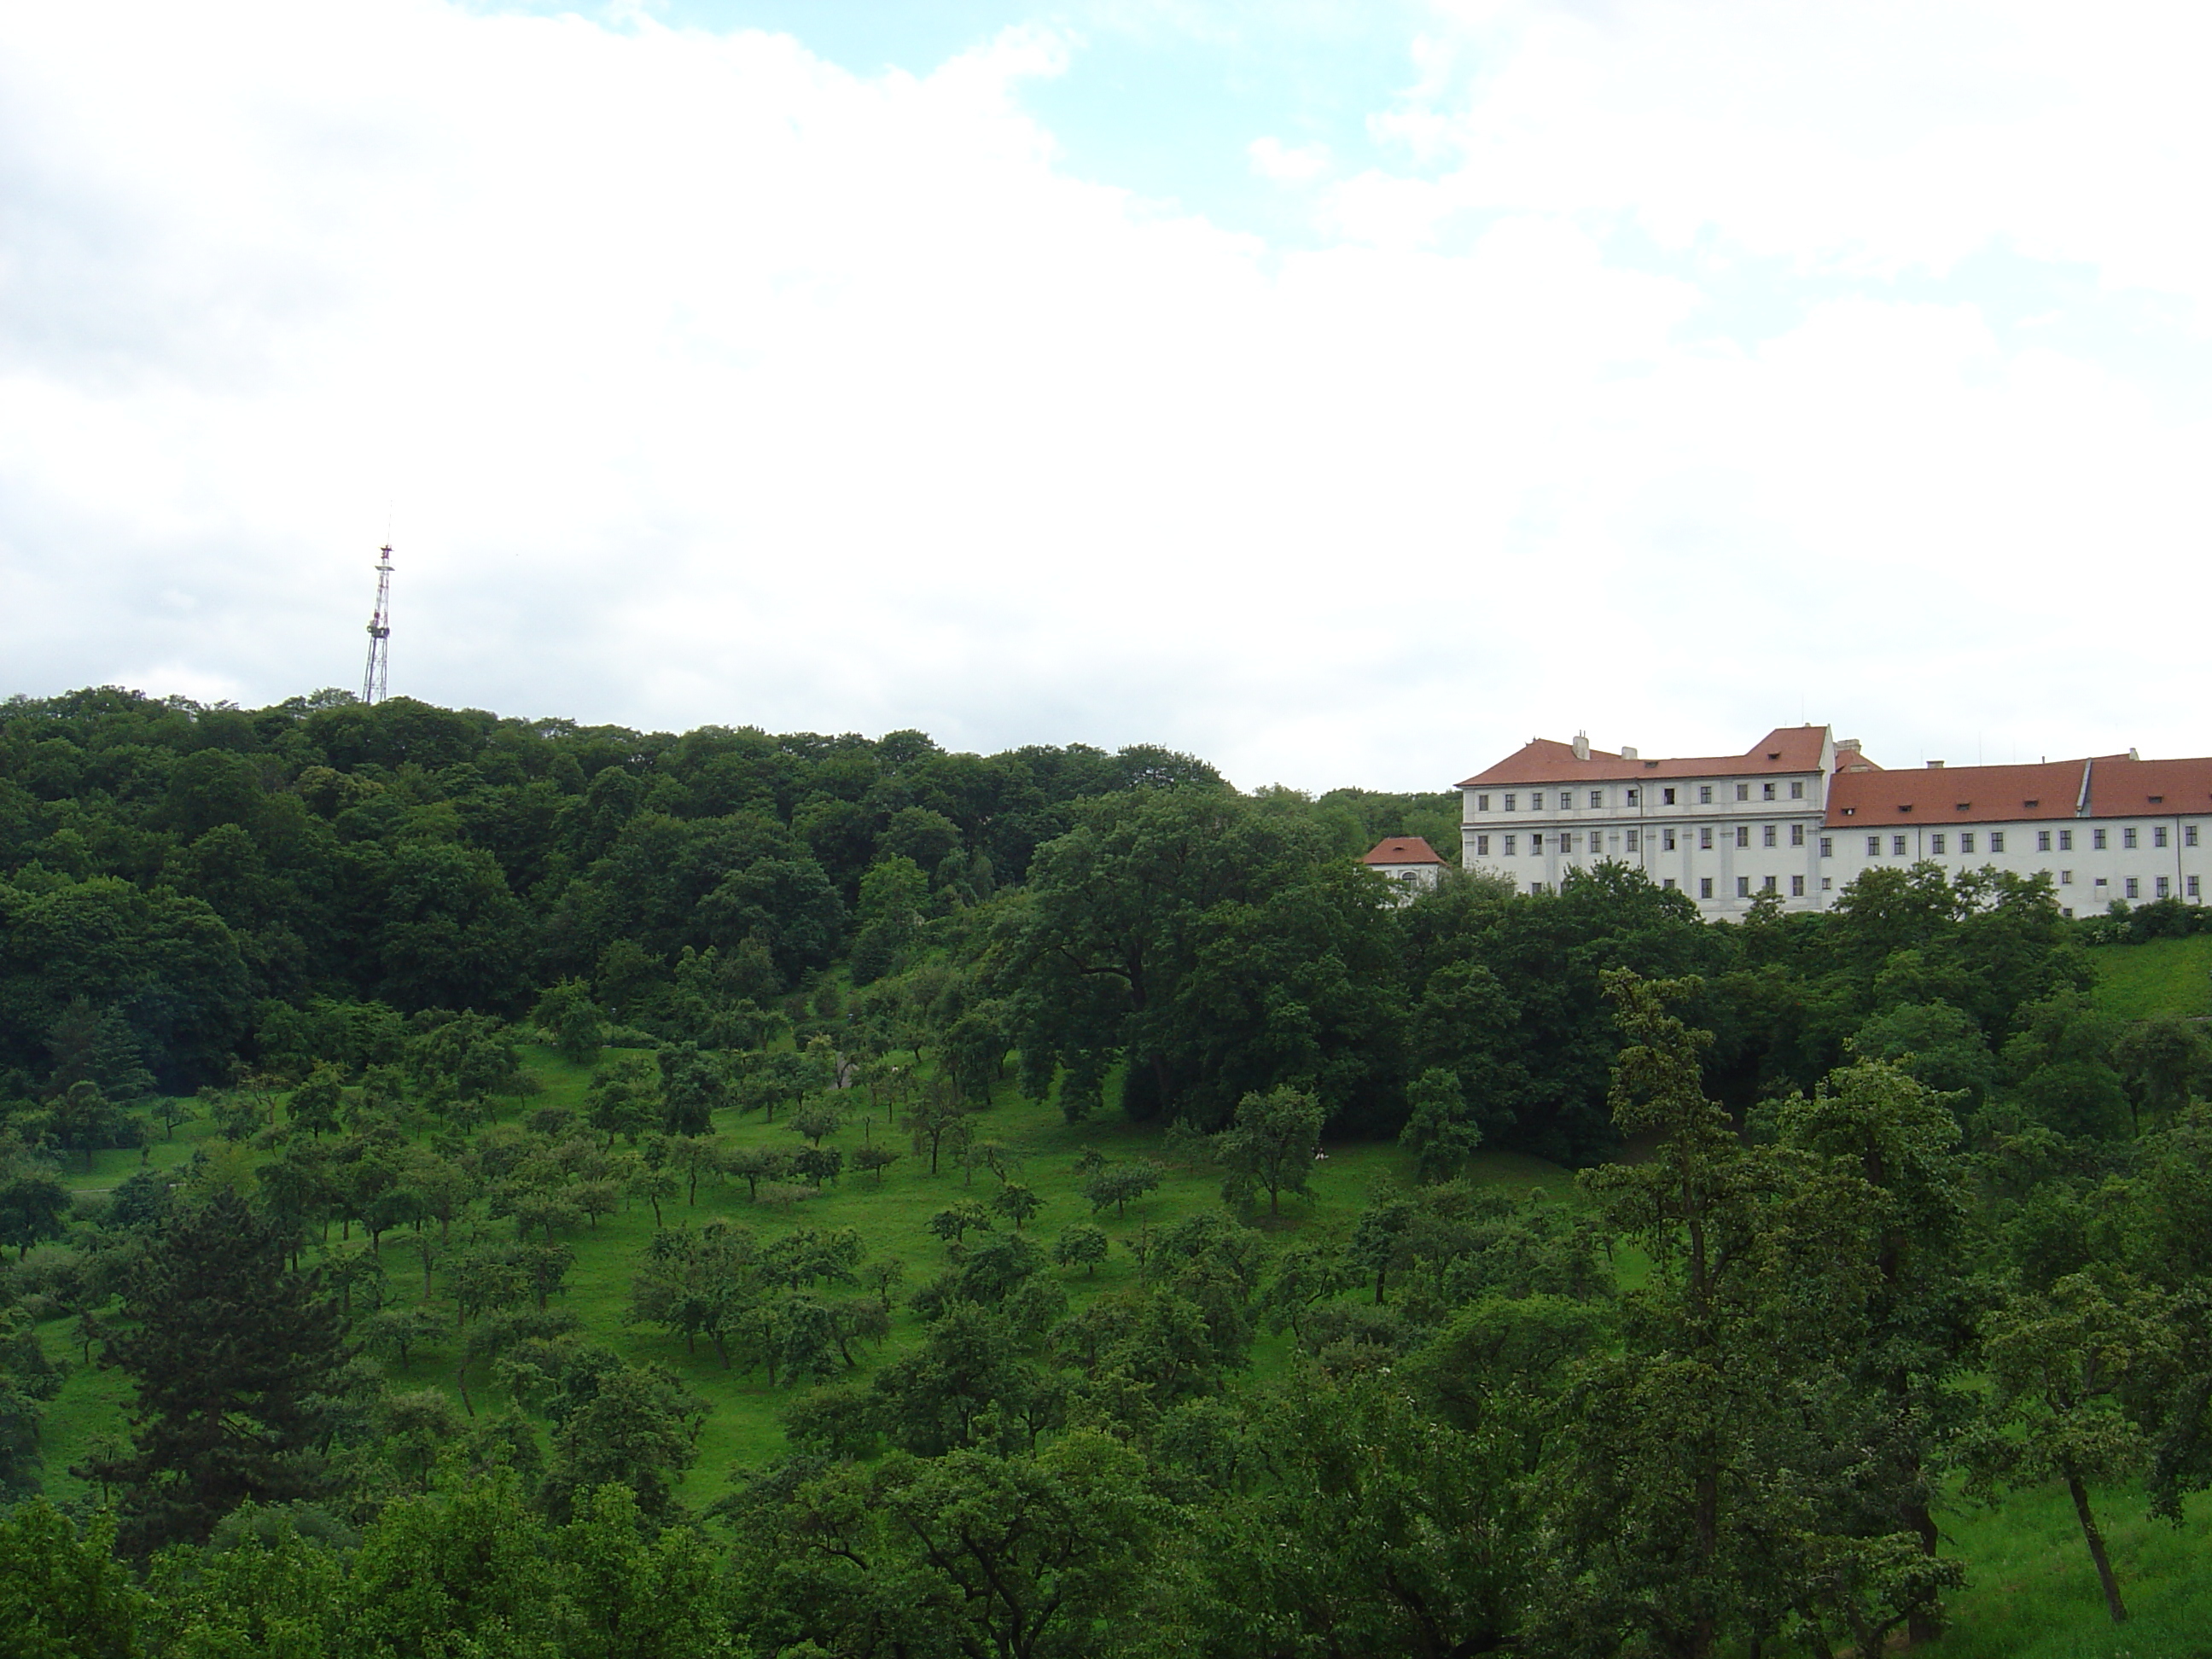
x=1408 y=860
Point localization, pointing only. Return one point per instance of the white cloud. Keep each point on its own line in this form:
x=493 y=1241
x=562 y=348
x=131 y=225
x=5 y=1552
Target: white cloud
x=1287 y=163
x=703 y=380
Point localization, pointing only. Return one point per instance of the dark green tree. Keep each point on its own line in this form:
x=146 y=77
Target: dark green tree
x=231 y=1354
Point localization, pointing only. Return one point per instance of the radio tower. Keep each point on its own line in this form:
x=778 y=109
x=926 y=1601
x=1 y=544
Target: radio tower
x=379 y=633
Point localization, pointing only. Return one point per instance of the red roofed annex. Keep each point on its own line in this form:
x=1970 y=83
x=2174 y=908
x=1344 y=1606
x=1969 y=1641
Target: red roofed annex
x=1800 y=813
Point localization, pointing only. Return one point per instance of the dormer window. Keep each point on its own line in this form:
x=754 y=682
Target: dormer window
x=2031 y=804
x=1851 y=812
x=2157 y=800
x=1905 y=809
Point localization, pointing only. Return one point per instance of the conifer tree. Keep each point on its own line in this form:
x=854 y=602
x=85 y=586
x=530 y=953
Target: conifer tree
x=230 y=1351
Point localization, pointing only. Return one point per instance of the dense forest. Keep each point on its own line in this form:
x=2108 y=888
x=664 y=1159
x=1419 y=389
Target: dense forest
x=1120 y=1223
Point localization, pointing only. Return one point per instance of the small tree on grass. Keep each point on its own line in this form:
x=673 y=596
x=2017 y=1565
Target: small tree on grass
x=1440 y=1131
x=874 y=1160
x=1017 y=1203
x=315 y=1103
x=816 y=1121
x=624 y=1097
x=2057 y=1366
x=1082 y=1245
x=1117 y=1183
x=754 y=1165
x=956 y=1221
x=1270 y=1147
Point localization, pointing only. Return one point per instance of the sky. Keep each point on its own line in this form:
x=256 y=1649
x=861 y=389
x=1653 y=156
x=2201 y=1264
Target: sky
x=1344 y=392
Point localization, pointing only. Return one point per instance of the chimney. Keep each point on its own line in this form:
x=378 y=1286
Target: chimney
x=1582 y=746
x=2132 y=754
x=1847 y=745
x=1935 y=766
x=1628 y=751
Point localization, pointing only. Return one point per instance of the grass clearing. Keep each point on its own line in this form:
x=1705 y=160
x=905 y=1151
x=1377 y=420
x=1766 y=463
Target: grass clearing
x=2161 y=978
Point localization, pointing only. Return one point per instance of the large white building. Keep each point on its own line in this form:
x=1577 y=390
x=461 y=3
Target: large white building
x=1800 y=814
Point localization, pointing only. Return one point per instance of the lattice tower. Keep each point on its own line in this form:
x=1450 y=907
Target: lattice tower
x=380 y=634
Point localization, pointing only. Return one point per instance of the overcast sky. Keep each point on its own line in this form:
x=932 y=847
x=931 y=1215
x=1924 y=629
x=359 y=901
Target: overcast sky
x=1344 y=392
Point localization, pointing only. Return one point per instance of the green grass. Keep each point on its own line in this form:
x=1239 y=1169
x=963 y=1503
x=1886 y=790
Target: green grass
x=2032 y=1594
x=2161 y=978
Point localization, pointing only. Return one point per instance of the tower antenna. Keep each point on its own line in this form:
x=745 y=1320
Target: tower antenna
x=379 y=633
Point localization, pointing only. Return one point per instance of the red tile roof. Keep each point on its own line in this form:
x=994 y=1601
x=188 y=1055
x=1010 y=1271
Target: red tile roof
x=2123 y=789
x=1401 y=849
x=1785 y=749
x=1937 y=795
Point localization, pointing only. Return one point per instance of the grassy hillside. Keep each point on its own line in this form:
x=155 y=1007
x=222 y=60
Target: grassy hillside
x=2162 y=977
x=892 y=1217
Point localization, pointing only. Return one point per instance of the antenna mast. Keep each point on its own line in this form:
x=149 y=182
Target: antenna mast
x=379 y=633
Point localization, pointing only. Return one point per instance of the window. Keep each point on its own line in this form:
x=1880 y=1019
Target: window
x=2165 y=887
x=1766 y=886
x=1704 y=794
x=1897 y=846
x=2065 y=878
x=1666 y=885
x=1535 y=889
x=1766 y=834
x=1536 y=843
x=1482 y=802
x=2043 y=840
x=1743 y=792
x=1743 y=886
x=1997 y=841
x=1567 y=841
x=1704 y=886
x=1509 y=846
x=1634 y=844
x=1743 y=835
x=1874 y=846
x=2188 y=835
x=1966 y=841
x=1667 y=839
x=1510 y=801
x=1482 y=847
x=1797 y=835
x=2097 y=840
x=2192 y=881
x=1798 y=790
x=1827 y=847
x=2127 y=836
x=2135 y=888
x=1629 y=796
x=1766 y=792
x=1597 y=798
x=1536 y=801
x=2158 y=835
x=1796 y=887
x=1666 y=798
x=1936 y=842
x=1705 y=839
x=2065 y=841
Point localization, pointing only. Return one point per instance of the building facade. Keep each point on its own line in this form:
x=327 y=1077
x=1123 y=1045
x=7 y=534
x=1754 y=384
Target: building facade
x=1800 y=815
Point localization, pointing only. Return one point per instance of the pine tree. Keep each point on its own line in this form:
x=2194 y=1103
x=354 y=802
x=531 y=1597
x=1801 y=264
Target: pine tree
x=230 y=1352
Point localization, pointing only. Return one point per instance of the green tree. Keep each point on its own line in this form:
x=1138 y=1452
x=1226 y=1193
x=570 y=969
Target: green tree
x=314 y=1104
x=62 y=1590
x=624 y=1098
x=573 y=1022
x=1270 y=1147
x=1081 y=1245
x=231 y=1354
x=693 y=1085
x=2057 y=1366
x=1440 y=1131
x=33 y=1205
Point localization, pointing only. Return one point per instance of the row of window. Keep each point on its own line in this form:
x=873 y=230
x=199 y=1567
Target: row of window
x=1770 y=835
x=2099 y=841
x=1633 y=796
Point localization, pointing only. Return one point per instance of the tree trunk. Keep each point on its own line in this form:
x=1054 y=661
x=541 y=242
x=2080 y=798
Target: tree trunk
x=2079 y=1494
x=1922 y=1626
